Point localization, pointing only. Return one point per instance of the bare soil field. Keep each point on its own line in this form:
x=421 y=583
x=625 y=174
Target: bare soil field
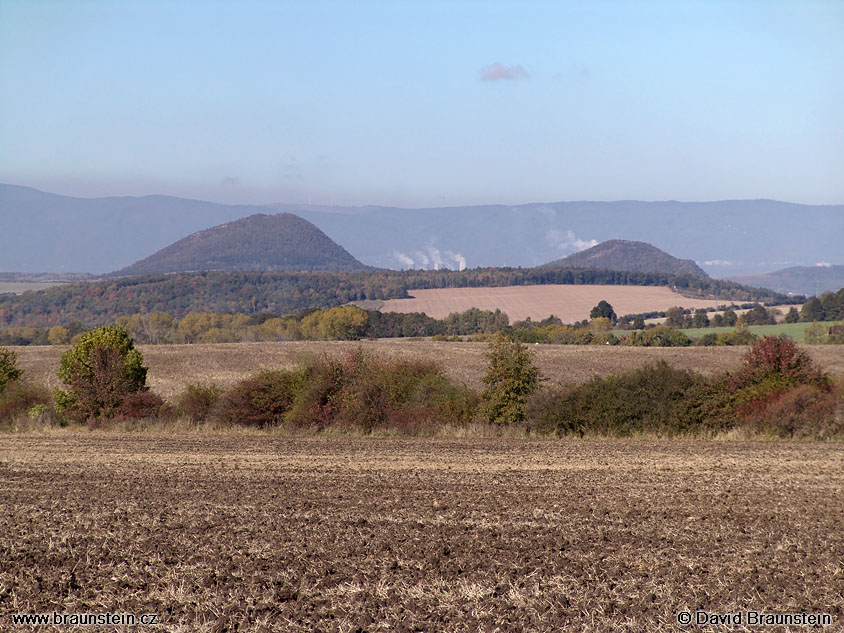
x=568 y=302
x=173 y=367
x=258 y=532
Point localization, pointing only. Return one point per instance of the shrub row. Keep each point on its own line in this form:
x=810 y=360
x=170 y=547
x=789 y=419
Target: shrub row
x=777 y=390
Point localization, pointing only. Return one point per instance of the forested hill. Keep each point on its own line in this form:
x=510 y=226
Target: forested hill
x=808 y=280
x=282 y=242
x=96 y=303
x=630 y=255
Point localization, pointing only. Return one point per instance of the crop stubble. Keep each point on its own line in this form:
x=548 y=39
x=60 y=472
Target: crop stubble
x=173 y=367
x=264 y=533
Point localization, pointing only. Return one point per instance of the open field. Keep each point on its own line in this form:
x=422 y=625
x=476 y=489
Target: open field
x=569 y=303
x=19 y=287
x=264 y=533
x=172 y=367
x=792 y=330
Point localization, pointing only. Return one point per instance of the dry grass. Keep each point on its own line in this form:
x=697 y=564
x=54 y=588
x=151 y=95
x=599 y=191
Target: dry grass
x=173 y=367
x=569 y=303
x=260 y=533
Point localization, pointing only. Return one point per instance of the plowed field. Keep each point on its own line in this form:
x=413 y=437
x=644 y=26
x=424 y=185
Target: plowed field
x=568 y=302
x=260 y=533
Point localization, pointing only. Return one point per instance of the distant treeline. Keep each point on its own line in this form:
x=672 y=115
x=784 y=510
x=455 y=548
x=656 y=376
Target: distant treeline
x=250 y=293
x=347 y=323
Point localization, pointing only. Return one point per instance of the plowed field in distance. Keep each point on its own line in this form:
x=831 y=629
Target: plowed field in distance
x=262 y=533
x=568 y=302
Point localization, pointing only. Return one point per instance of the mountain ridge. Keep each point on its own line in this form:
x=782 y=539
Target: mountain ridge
x=98 y=235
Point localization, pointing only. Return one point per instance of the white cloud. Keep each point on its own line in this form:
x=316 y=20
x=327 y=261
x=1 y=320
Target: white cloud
x=824 y=264
x=497 y=71
x=718 y=262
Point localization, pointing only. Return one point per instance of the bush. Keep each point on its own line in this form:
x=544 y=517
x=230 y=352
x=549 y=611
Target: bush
x=656 y=398
x=659 y=336
x=261 y=400
x=510 y=379
x=805 y=410
x=361 y=392
x=778 y=363
x=140 y=405
x=19 y=397
x=99 y=371
x=9 y=371
x=355 y=392
x=197 y=401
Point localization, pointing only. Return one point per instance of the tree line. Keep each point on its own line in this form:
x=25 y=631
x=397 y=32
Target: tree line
x=251 y=293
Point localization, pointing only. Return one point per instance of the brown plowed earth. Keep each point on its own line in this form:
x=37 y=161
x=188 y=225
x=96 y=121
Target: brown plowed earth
x=173 y=367
x=259 y=533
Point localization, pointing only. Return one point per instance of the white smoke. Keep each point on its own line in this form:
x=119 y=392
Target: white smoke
x=568 y=241
x=458 y=259
x=405 y=259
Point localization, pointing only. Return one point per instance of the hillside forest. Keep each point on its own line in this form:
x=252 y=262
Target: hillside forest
x=252 y=293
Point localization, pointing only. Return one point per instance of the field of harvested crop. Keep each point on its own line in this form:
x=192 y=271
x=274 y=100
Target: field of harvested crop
x=173 y=367
x=264 y=533
x=569 y=303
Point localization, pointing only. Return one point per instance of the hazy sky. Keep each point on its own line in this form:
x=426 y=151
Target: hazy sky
x=424 y=103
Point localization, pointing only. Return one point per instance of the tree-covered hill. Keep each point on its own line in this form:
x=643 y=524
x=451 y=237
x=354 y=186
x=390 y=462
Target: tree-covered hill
x=100 y=302
x=281 y=242
x=630 y=255
x=809 y=280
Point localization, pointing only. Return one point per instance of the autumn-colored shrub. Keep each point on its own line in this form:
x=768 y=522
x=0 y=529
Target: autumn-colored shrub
x=19 y=397
x=261 y=400
x=778 y=363
x=141 y=405
x=656 y=398
x=362 y=392
x=802 y=411
x=354 y=391
x=196 y=402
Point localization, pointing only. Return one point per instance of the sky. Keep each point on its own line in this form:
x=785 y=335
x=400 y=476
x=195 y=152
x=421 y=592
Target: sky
x=417 y=104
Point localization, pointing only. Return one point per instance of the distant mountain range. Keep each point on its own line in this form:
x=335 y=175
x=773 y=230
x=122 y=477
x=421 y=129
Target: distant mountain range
x=804 y=280
x=629 y=255
x=281 y=242
x=43 y=232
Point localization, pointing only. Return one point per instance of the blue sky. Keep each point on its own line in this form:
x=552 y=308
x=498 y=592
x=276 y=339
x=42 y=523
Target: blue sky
x=424 y=103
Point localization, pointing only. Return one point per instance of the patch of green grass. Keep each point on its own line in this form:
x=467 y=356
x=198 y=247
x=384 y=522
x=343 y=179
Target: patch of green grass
x=792 y=330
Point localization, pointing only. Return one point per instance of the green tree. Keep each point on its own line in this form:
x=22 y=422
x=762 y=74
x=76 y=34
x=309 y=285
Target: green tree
x=99 y=371
x=58 y=335
x=675 y=317
x=701 y=319
x=793 y=316
x=812 y=310
x=638 y=323
x=9 y=371
x=603 y=310
x=511 y=378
